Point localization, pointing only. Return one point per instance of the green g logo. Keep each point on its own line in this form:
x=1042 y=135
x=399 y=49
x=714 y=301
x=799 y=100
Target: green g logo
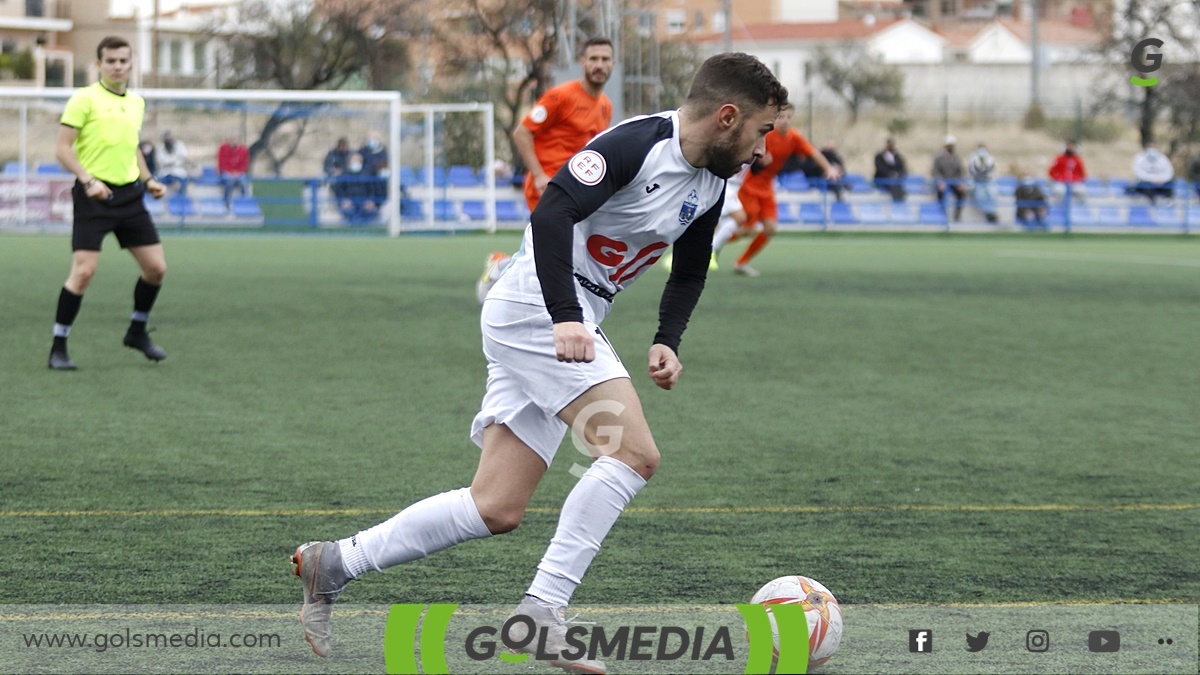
x=1146 y=63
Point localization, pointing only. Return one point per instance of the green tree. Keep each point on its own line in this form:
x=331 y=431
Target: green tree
x=857 y=76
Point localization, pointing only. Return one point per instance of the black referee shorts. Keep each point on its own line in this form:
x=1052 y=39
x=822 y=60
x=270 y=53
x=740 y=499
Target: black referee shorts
x=124 y=214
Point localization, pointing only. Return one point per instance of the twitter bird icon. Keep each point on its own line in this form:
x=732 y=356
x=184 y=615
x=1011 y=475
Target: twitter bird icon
x=978 y=642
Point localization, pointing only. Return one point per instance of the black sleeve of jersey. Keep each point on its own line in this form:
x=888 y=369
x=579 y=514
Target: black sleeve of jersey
x=553 y=226
x=688 y=272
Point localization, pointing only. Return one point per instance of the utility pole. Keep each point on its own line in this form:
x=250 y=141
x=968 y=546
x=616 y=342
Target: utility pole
x=727 y=8
x=585 y=20
x=1035 y=43
x=154 y=46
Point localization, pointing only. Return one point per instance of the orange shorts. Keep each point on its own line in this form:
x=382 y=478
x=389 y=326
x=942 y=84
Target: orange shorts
x=759 y=207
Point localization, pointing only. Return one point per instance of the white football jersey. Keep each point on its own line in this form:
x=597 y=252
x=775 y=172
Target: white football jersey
x=639 y=195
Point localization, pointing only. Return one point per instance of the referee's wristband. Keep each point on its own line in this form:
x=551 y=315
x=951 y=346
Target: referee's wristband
x=88 y=185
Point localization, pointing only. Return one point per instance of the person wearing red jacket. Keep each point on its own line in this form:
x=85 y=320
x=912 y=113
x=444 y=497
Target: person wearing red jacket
x=233 y=160
x=1068 y=168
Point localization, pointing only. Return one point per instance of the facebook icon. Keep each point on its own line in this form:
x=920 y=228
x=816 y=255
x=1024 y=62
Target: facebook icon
x=920 y=641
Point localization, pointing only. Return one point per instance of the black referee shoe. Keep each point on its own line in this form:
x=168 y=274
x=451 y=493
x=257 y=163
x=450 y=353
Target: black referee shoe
x=60 y=361
x=142 y=343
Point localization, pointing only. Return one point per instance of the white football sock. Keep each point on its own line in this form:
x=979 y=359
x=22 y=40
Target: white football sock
x=428 y=526
x=588 y=514
x=724 y=233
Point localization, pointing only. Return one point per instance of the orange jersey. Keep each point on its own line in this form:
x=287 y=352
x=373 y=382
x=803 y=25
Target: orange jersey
x=565 y=118
x=780 y=147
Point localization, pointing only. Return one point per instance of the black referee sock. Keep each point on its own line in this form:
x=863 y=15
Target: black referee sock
x=68 y=309
x=144 y=295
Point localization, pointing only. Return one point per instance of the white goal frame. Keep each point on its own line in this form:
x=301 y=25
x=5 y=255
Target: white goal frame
x=23 y=98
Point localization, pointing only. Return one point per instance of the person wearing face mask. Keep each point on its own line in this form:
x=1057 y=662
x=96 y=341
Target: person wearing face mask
x=359 y=195
x=1068 y=170
x=1154 y=173
x=374 y=155
x=1031 y=203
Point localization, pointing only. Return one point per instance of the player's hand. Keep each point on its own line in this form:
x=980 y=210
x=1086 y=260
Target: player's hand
x=540 y=183
x=665 y=367
x=157 y=189
x=573 y=343
x=98 y=190
x=833 y=173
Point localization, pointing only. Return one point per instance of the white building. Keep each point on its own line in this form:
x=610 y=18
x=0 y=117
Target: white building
x=972 y=66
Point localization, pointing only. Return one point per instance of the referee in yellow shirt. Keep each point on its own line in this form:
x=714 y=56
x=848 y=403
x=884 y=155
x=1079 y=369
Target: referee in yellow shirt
x=98 y=142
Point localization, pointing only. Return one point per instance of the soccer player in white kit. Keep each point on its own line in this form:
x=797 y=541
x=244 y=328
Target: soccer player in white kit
x=606 y=217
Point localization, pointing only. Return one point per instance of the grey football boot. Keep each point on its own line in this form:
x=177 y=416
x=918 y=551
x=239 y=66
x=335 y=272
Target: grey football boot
x=551 y=618
x=319 y=566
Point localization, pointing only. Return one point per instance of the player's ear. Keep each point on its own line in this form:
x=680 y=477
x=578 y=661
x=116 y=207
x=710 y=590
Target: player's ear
x=727 y=116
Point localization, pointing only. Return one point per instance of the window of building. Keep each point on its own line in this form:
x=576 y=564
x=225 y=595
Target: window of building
x=676 y=21
x=718 y=22
x=176 y=65
x=200 y=57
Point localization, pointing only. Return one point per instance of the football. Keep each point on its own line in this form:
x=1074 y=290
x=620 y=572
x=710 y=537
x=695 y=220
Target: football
x=821 y=609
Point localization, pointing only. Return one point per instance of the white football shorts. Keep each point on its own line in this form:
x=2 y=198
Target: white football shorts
x=527 y=385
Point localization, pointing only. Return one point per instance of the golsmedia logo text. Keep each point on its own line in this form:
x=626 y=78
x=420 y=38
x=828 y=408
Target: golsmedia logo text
x=641 y=643
x=425 y=632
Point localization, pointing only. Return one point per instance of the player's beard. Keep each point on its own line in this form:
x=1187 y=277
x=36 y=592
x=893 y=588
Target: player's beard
x=723 y=159
x=598 y=78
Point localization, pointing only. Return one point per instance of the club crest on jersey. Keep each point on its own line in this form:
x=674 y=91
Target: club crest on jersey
x=588 y=167
x=688 y=211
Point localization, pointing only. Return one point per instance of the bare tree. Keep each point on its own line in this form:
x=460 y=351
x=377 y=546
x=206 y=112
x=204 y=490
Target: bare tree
x=303 y=45
x=500 y=51
x=1172 y=21
x=857 y=76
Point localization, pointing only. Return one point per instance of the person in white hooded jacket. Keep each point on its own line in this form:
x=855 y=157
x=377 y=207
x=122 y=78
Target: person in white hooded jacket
x=1154 y=173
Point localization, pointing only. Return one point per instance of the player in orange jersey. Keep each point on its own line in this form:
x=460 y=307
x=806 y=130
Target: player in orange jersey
x=758 y=190
x=565 y=118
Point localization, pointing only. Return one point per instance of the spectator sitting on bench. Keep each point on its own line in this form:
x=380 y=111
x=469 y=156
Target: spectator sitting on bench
x=1068 y=172
x=359 y=196
x=890 y=171
x=1031 y=203
x=1154 y=174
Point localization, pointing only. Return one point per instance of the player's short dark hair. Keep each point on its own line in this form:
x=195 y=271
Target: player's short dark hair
x=111 y=42
x=733 y=77
x=598 y=41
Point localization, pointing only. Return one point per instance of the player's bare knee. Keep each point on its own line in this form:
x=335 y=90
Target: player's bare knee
x=500 y=520
x=770 y=228
x=80 y=277
x=644 y=459
x=155 y=273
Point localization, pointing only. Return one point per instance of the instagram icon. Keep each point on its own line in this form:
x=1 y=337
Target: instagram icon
x=1037 y=641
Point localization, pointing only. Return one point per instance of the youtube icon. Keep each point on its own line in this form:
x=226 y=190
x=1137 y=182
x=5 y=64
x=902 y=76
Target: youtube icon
x=1104 y=641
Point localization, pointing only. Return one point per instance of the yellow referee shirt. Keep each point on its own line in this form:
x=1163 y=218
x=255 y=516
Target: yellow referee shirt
x=109 y=129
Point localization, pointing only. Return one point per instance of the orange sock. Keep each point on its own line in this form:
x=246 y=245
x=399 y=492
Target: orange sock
x=755 y=246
